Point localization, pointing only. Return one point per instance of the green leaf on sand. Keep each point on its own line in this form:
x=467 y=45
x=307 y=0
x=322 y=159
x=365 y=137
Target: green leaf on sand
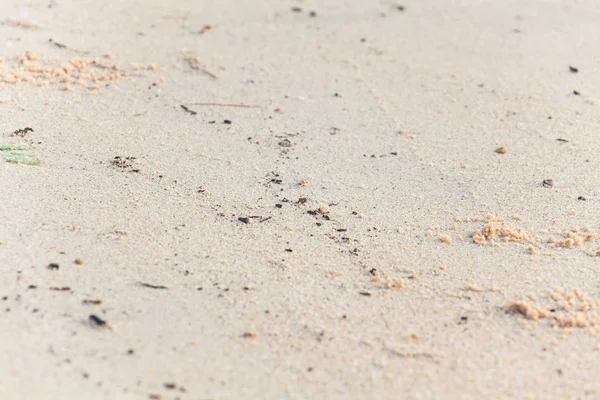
x=20 y=154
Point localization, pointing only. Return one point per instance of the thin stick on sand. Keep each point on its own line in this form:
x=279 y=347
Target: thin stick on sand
x=224 y=105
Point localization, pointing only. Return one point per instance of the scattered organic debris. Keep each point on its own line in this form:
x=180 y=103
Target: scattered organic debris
x=125 y=163
x=285 y=143
x=91 y=302
x=150 y=286
x=224 y=105
x=188 y=110
x=194 y=64
x=547 y=183
x=248 y=335
x=18 y=154
x=59 y=45
x=64 y=46
x=60 y=289
x=204 y=29
x=21 y=132
x=246 y=220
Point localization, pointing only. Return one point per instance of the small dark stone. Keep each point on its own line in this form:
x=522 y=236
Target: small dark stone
x=244 y=220
x=573 y=69
x=548 y=183
x=53 y=266
x=97 y=321
x=227 y=122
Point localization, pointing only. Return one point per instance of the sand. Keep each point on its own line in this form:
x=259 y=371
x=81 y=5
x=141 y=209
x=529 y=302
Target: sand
x=300 y=199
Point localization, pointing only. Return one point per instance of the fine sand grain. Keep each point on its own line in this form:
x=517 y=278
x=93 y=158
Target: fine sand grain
x=337 y=199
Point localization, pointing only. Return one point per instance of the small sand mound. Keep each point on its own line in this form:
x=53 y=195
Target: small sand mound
x=564 y=309
x=497 y=231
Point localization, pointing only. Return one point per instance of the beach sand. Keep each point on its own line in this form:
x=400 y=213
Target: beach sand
x=300 y=199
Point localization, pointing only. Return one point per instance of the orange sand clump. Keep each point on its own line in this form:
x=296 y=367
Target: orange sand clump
x=85 y=72
x=446 y=239
x=24 y=25
x=496 y=230
x=387 y=283
x=565 y=310
x=530 y=312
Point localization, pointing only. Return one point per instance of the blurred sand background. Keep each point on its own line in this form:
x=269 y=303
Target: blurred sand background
x=370 y=220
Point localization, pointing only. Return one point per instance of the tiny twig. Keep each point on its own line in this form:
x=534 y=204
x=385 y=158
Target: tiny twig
x=207 y=72
x=224 y=105
x=188 y=110
x=152 y=286
x=64 y=46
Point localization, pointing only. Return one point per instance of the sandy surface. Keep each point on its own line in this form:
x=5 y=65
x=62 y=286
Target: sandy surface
x=387 y=246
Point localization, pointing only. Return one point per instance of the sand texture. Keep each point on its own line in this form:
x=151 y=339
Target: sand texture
x=335 y=199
